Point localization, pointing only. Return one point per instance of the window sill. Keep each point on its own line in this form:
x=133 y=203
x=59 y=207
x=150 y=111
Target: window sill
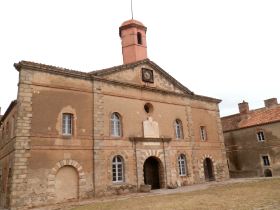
x=118 y=182
x=117 y=137
x=67 y=136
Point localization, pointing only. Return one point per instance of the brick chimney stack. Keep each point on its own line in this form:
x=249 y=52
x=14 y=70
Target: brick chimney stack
x=243 y=107
x=271 y=102
x=134 y=45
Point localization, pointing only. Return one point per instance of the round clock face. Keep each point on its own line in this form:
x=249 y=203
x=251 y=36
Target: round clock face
x=147 y=75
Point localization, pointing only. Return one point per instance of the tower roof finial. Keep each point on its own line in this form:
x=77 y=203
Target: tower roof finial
x=131 y=7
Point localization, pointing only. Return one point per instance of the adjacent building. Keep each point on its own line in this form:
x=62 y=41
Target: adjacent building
x=252 y=139
x=74 y=135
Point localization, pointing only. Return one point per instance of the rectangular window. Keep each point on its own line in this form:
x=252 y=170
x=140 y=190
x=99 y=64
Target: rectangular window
x=260 y=136
x=67 y=124
x=203 y=134
x=265 y=160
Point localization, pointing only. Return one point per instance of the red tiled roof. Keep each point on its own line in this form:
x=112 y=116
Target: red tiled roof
x=253 y=118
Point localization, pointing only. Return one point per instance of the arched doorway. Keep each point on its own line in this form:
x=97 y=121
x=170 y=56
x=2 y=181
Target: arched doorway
x=208 y=169
x=66 y=184
x=153 y=172
x=267 y=173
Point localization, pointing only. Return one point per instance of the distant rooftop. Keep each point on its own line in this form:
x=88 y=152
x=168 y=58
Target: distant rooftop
x=249 y=118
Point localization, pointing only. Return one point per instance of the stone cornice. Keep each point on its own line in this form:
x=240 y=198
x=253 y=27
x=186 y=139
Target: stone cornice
x=195 y=97
x=97 y=75
x=132 y=25
x=141 y=62
x=51 y=69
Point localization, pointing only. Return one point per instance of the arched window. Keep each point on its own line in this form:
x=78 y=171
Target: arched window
x=117 y=169
x=139 y=38
x=178 y=129
x=182 y=165
x=115 y=125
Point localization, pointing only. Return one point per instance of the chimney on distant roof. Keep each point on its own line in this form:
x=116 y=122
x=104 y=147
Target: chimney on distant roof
x=243 y=107
x=271 y=102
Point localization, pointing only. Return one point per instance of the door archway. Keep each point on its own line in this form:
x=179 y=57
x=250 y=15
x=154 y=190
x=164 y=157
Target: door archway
x=153 y=172
x=208 y=169
x=66 y=184
x=267 y=173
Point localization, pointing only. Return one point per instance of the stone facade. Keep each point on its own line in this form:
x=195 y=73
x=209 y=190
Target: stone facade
x=252 y=140
x=35 y=159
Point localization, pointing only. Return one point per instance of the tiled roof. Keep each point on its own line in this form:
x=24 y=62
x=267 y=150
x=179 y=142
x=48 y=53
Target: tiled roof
x=253 y=118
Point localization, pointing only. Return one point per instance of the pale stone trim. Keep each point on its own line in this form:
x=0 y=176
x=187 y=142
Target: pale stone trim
x=126 y=168
x=188 y=163
x=201 y=171
x=144 y=156
x=54 y=171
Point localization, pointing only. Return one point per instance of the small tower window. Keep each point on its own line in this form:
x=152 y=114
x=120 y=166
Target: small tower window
x=139 y=38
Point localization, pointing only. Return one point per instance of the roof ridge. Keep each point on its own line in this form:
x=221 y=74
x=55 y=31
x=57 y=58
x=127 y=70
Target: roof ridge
x=256 y=117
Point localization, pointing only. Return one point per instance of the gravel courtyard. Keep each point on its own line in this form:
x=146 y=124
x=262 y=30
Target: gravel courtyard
x=255 y=193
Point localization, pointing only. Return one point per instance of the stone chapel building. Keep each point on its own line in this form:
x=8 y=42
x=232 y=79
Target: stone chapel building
x=75 y=135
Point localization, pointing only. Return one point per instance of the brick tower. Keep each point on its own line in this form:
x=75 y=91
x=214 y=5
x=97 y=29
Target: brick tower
x=134 y=46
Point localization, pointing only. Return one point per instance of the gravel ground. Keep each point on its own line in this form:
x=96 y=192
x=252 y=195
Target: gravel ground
x=191 y=188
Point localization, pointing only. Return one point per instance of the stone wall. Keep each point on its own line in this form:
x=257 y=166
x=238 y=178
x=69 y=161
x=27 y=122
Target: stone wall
x=19 y=189
x=42 y=152
x=244 y=151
